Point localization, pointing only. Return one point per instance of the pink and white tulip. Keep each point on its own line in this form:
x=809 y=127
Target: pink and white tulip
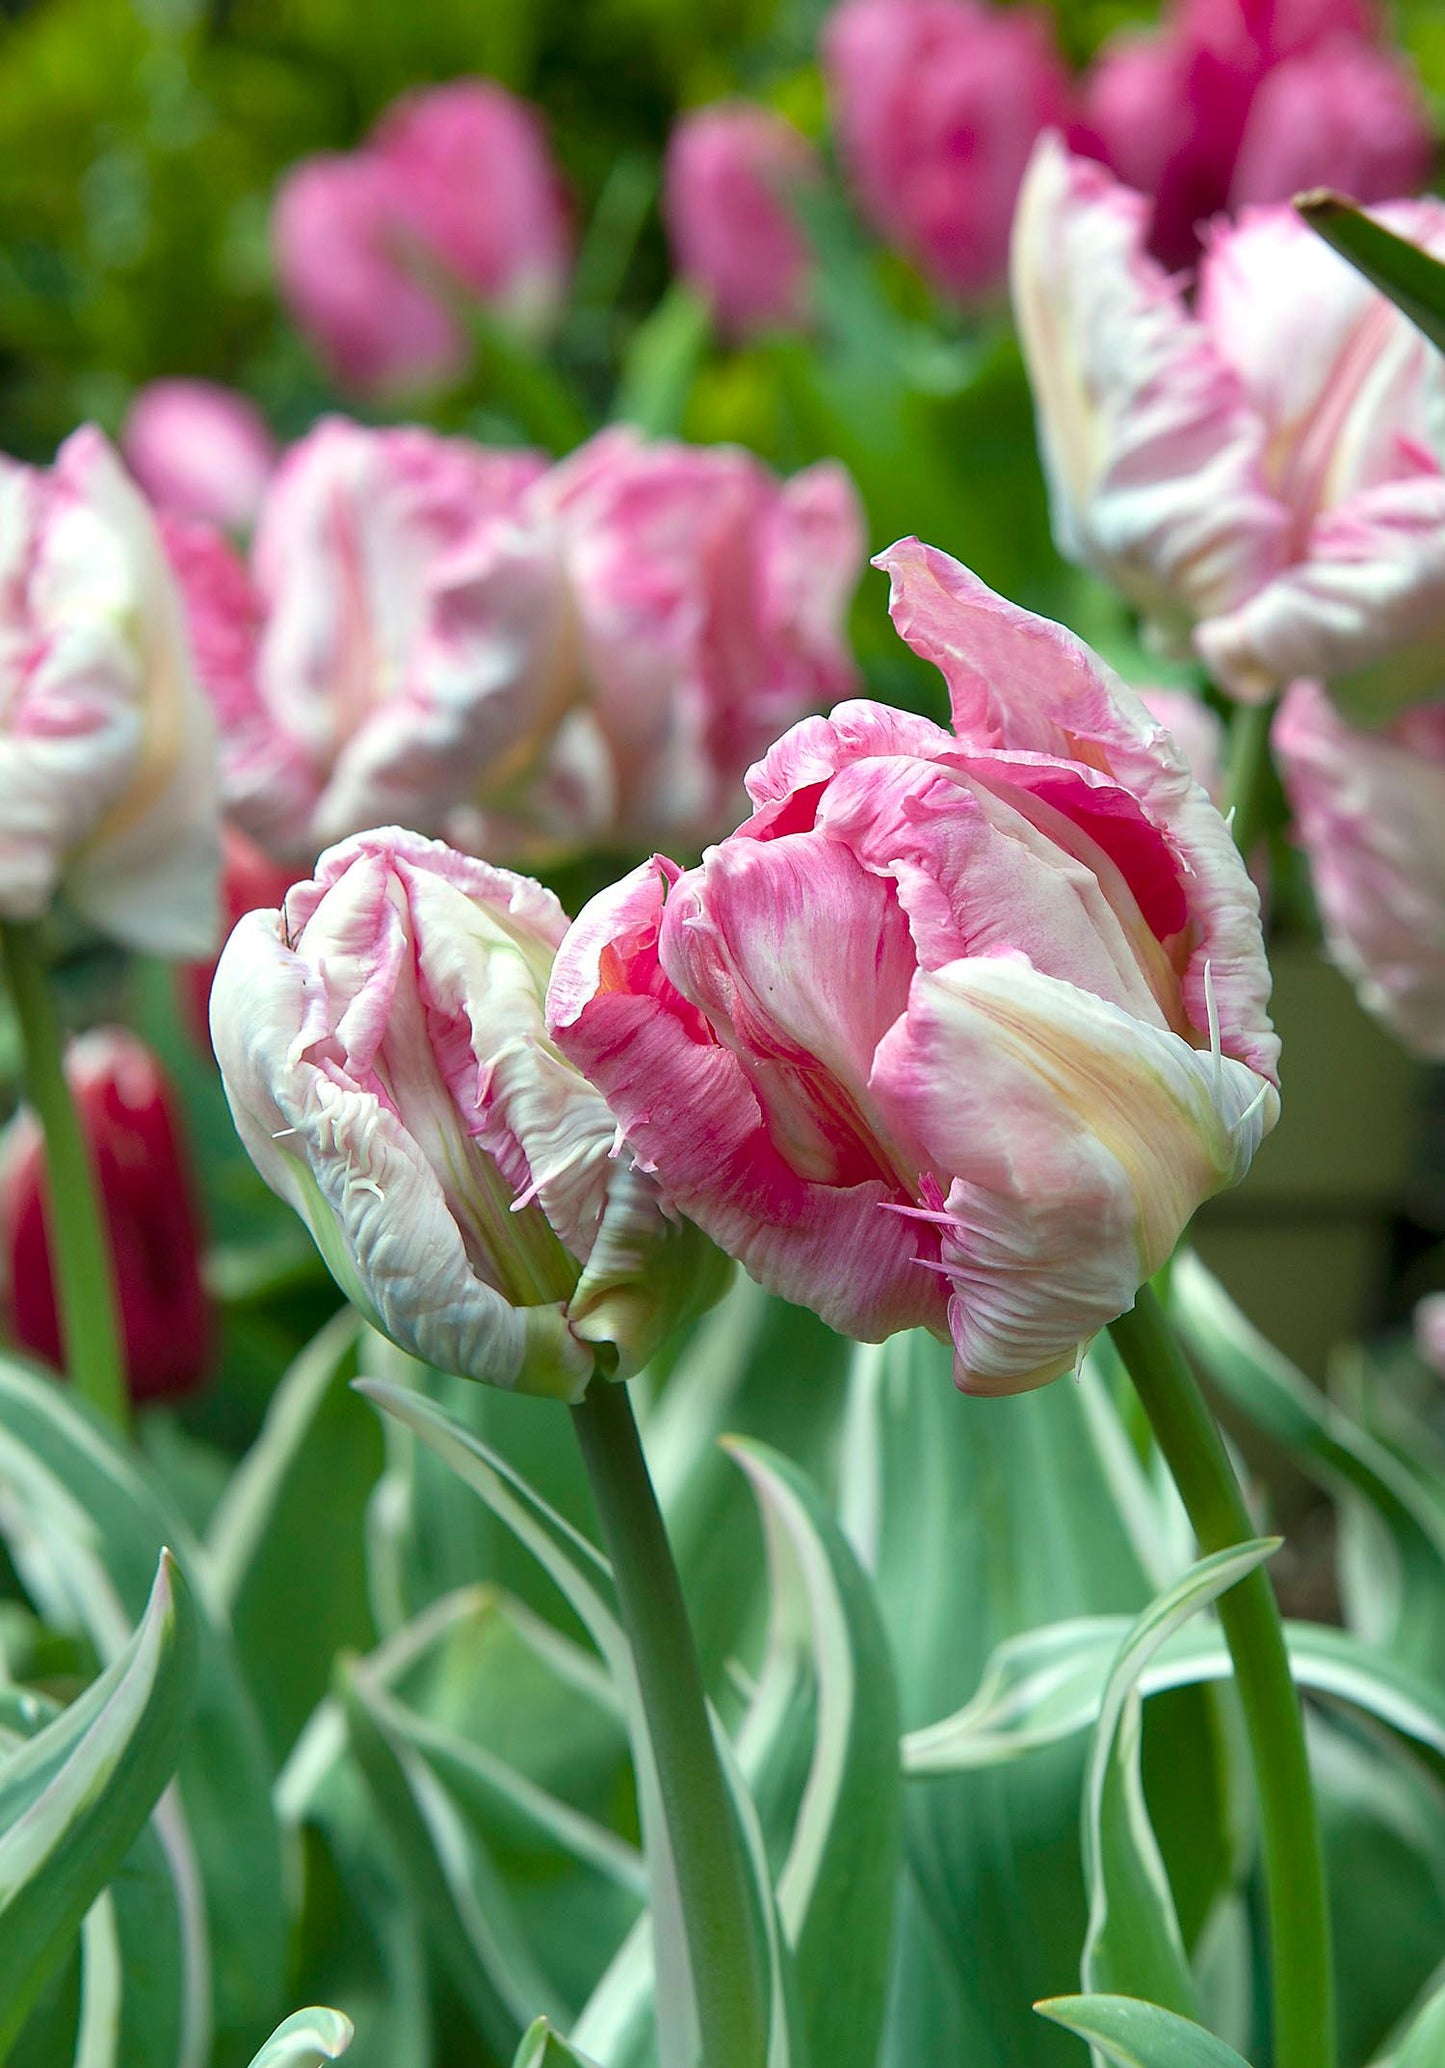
x=453 y=198
x=937 y=105
x=382 y=1044
x=959 y=1027
x=1197 y=733
x=1369 y=810
x=1261 y=473
x=108 y=787
x=525 y=659
x=730 y=180
x=199 y=450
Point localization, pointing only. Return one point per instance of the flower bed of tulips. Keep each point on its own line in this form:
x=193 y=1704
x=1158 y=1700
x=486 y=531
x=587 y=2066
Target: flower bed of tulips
x=673 y=681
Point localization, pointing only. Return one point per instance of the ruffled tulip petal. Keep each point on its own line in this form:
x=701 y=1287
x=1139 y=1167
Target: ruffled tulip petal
x=1154 y=458
x=1370 y=808
x=1079 y=1144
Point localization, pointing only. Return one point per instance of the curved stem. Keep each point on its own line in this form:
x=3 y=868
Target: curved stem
x=1299 y=1925
x=80 y=1254
x=1248 y=767
x=711 y=1877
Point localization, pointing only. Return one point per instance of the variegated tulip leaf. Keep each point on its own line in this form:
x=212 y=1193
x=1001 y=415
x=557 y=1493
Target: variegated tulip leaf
x=306 y=2040
x=544 y=2047
x=85 y=1525
x=1133 y=1943
x=1414 y=281
x=74 y=1798
x=1407 y=1528
x=837 y=1884
x=1424 y=2042
x=1134 y=2034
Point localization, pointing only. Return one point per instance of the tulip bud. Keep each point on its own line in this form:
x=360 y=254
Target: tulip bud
x=1368 y=809
x=132 y=1129
x=729 y=184
x=958 y=1029
x=108 y=783
x=383 y=1049
x=937 y=104
x=199 y=450
x=1261 y=473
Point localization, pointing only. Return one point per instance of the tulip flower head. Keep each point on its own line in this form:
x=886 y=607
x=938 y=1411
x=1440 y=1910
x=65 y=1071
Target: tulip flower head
x=454 y=198
x=108 y=787
x=731 y=177
x=1369 y=809
x=199 y=450
x=132 y=1129
x=382 y=1044
x=958 y=1028
x=1261 y=473
x=937 y=104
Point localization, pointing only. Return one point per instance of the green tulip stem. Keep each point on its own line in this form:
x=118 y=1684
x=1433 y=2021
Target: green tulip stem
x=707 y=1846
x=1293 y=1857
x=1248 y=766
x=80 y=1255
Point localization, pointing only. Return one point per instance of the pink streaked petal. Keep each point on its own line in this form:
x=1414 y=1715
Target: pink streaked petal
x=817 y=748
x=1080 y=1143
x=1153 y=454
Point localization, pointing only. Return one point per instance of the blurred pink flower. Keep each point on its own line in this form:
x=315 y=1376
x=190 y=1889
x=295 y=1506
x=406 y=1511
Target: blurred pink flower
x=937 y=104
x=1261 y=473
x=1369 y=809
x=1249 y=100
x=382 y=1044
x=729 y=180
x=959 y=1027
x=454 y=197
x=107 y=745
x=131 y=1123
x=200 y=450
x=1430 y=1331
x=463 y=640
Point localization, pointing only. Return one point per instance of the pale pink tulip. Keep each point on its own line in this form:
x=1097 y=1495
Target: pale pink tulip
x=1430 y=1331
x=199 y=450
x=959 y=1027
x=453 y=199
x=107 y=745
x=395 y=635
x=1369 y=808
x=1248 y=100
x=937 y=104
x=1260 y=473
x=730 y=183
x=382 y=1044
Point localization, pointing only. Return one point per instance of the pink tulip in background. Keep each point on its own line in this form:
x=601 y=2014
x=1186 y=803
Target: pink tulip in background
x=1261 y=473
x=1430 y=1331
x=382 y=1045
x=1236 y=101
x=392 y=635
x=465 y=640
x=131 y=1123
x=729 y=180
x=453 y=198
x=200 y=450
x=1369 y=809
x=937 y=104
x=107 y=744
x=959 y=1027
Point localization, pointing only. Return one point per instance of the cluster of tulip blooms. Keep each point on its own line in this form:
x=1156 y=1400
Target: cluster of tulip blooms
x=950 y=1027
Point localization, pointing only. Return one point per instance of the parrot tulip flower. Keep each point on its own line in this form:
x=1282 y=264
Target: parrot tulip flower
x=959 y=1028
x=382 y=1045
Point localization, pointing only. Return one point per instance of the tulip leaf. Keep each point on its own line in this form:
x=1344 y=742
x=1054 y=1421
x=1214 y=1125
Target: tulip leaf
x=1281 y=1401
x=1413 y=280
x=306 y=2040
x=837 y=1884
x=662 y=362
x=85 y=1525
x=544 y=2047
x=1133 y=1942
x=1424 y=2042
x=1134 y=2034
x=75 y=1797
